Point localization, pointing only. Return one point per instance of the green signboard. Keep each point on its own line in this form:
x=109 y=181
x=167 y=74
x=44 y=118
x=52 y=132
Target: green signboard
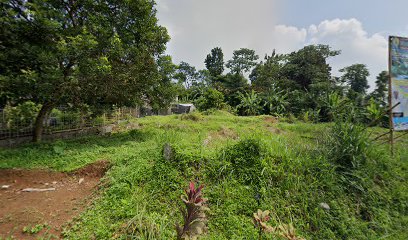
x=399 y=82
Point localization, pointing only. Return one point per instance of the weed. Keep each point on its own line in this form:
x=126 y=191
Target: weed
x=347 y=145
x=244 y=161
x=287 y=231
x=194 y=215
x=35 y=229
x=194 y=116
x=260 y=219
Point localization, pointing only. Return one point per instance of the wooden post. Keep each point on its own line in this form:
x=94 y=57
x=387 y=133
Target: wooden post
x=391 y=123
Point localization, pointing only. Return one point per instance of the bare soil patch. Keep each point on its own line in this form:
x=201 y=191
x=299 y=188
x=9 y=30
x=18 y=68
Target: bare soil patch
x=223 y=133
x=270 y=119
x=31 y=215
x=274 y=130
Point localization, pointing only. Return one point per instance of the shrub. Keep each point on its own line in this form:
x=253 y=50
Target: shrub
x=194 y=215
x=244 y=160
x=283 y=230
x=211 y=98
x=260 y=219
x=311 y=116
x=375 y=114
x=347 y=145
x=22 y=115
x=194 y=116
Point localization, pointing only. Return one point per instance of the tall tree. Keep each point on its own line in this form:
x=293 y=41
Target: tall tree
x=95 y=52
x=166 y=88
x=381 y=90
x=243 y=60
x=309 y=65
x=267 y=73
x=186 y=74
x=356 y=76
x=214 y=62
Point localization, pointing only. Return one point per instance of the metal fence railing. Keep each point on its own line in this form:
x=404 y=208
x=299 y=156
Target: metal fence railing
x=16 y=123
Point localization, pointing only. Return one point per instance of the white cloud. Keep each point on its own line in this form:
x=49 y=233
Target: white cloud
x=288 y=38
x=357 y=46
x=197 y=26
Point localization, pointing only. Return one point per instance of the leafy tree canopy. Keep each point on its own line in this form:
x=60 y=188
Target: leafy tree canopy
x=186 y=74
x=267 y=73
x=93 y=52
x=309 y=65
x=214 y=62
x=381 y=90
x=356 y=76
x=243 y=60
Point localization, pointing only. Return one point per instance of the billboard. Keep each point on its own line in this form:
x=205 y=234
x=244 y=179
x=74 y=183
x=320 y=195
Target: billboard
x=399 y=82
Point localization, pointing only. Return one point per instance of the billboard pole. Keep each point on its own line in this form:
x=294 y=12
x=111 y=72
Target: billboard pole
x=390 y=97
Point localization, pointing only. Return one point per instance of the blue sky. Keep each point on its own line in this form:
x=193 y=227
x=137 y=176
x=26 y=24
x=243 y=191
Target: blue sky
x=376 y=15
x=359 y=28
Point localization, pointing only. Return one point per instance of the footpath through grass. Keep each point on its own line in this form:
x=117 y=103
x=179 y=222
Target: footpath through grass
x=245 y=163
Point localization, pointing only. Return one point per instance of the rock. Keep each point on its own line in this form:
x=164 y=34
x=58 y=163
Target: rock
x=55 y=182
x=5 y=186
x=46 y=184
x=325 y=206
x=81 y=180
x=37 y=189
x=207 y=141
x=106 y=130
x=168 y=152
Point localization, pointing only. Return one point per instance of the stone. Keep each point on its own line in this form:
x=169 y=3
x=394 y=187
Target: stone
x=325 y=206
x=81 y=180
x=37 y=189
x=5 y=186
x=106 y=130
x=168 y=152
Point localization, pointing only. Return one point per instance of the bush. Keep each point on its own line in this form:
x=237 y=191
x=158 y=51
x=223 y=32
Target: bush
x=311 y=116
x=347 y=145
x=244 y=161
x=195 y=116
x=22 y=115
x=211 y=98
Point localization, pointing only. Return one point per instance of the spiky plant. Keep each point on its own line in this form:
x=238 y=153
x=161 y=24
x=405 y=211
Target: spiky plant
x=288 y=232
x=260 y=219
x=193 y=215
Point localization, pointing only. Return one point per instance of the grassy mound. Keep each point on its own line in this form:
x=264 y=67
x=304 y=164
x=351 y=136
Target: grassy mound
x=288 y=171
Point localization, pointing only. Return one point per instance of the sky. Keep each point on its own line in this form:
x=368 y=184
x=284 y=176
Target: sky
x=359 y=28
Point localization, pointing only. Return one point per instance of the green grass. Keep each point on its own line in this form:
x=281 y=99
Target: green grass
x=246 y=163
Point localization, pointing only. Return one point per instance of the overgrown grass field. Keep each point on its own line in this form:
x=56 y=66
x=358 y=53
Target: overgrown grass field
x=245 y=163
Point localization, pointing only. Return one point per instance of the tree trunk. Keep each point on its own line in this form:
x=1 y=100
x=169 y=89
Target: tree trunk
x=39 y=121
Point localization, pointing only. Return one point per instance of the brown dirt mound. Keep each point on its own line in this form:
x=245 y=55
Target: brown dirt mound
x=274 y=130
x=221 y=134
x=96 y=169
x=33 y=215
x=227 y=133
x=270 y=119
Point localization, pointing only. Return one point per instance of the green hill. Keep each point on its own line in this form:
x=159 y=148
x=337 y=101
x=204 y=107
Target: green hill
x=246 y=163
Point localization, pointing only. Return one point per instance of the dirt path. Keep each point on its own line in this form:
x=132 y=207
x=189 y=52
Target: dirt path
x=31 y=215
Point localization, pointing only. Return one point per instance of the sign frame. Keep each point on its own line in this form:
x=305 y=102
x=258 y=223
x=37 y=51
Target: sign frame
x=390 y=89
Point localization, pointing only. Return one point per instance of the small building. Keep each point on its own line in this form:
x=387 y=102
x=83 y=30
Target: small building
x=181 y=108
